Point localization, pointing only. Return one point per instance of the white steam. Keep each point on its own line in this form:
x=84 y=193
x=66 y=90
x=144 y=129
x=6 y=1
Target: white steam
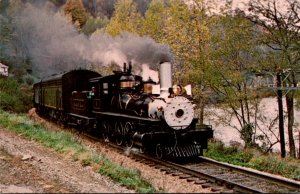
x=54 y=45
x=149 y=73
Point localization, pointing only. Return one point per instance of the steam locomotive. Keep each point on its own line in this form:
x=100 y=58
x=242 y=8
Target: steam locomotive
x=123 y=108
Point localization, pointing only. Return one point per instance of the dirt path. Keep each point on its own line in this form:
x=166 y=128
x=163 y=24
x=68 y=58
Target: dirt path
x=26 y=166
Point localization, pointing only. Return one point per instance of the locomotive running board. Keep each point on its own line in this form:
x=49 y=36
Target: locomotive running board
x=126 y=116
x=80 y=116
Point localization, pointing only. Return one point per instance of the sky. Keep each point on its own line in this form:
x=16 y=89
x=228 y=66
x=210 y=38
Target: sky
x=241 y=3
x=235 y=3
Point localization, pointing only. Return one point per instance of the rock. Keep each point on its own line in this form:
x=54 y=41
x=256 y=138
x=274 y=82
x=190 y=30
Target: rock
x=26 y=157
x=47 y=186
x=16 y=189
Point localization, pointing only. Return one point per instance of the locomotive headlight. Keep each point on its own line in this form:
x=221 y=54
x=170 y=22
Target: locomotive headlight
x=179 y=112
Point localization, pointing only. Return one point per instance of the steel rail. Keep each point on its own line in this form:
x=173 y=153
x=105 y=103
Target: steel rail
x=270 y=177
x=193 y=173
x=237 y=187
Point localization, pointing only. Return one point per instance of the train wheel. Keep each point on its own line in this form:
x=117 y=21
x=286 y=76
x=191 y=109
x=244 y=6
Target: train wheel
x=129 y=131
x=159 y=151
x=119 y=132
x=106 y=127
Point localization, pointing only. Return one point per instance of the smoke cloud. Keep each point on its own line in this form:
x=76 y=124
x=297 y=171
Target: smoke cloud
x=148 y=73
x=54 y=45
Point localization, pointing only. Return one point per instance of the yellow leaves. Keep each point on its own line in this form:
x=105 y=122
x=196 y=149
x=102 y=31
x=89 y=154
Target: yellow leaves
x=187 y=31
x=154 y=20
x=126 y=18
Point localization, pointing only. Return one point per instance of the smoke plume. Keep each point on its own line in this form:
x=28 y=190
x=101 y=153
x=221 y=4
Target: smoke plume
x=54 y=45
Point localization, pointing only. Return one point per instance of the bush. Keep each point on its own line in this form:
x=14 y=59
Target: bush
x=14 y=97
x=253 y=158
x=275 y=165
x=127 y=177
x=232 y=154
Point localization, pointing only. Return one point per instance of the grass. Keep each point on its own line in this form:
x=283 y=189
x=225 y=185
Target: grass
x=64 y=142
x=287 y=167
x=252 y=158
x=127 y=177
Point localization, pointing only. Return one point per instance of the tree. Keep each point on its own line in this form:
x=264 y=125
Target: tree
x=92 y=24
x=75 y=9
x=186 y=32
x=100 y=8
x=282 y=35
x=154 y=20
x=6 y=35
x=126 y=18
x=11 y=51
x=233 y=46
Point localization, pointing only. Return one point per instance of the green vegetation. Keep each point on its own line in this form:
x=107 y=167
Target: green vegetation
x=252 y=158
x=126 y=18
x=92 y=24
x=75 y=9
x=130 y=178
x=64 y=142
x=14 y=96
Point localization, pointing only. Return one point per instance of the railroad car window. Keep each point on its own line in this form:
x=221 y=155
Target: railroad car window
x=105 y=88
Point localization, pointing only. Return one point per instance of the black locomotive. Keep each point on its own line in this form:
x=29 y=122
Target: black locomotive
x=123 y=108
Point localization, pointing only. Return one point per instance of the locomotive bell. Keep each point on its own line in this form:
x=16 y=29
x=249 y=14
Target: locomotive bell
x=165 y=77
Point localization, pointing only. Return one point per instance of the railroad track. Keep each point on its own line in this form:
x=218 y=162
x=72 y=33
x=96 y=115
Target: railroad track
x=220 y=177
x=247 y=178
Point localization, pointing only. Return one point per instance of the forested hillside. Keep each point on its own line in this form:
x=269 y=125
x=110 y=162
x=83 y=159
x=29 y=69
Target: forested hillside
x=220 y=52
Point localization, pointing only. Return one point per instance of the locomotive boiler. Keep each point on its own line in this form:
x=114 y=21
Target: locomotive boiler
x=124 y=108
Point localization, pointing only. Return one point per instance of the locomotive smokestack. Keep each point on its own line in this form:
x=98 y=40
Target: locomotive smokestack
x=129 y=67
x=127 y=70
x=165 y=76
x=124 y=67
